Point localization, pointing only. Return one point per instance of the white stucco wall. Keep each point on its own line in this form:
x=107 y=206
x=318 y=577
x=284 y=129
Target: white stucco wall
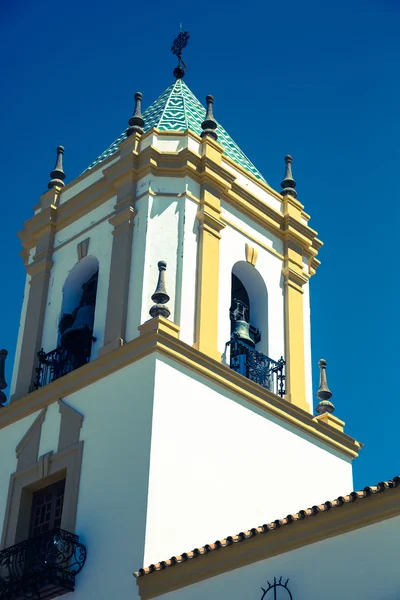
x=359 y=564
x=220 y=466
x=65 y=258
x=202 y=465
x=140 y=249
x=189 y=272
x=164 y=239
x=164 y=229
x=116 y=431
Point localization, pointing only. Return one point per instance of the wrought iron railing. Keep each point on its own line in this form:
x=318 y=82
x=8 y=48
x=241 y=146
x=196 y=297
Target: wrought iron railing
x=42 y=567
x=62 y=360
x=257 y=367
x=53 y=365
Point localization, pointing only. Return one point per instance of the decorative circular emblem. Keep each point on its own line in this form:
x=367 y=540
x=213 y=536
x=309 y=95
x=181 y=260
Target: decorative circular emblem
x=277 y=591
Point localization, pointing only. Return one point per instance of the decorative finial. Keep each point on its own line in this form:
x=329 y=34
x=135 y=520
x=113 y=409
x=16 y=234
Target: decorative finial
x=324 y=393
x=178 y=45
x=288 y=184
x=160 y=296
x=3 y=383
x=57 y=175
x=136 y=122
x=209 y=125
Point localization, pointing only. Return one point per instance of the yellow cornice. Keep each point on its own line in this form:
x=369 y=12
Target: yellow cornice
x=276 y=541
x=204 y=169
x=157 y=339
x=262 y=184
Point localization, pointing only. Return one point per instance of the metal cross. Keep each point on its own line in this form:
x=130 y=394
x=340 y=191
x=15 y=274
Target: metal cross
x=179 y=43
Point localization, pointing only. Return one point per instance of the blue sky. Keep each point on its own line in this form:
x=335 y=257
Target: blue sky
x=314 y=80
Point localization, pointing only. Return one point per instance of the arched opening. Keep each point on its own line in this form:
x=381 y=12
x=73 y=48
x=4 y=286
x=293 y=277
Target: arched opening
x=240 y=313
x=249 y=305
x=75 y=328
x=249 y=330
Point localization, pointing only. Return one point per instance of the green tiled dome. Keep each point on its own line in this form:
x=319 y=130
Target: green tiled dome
x=178 y=109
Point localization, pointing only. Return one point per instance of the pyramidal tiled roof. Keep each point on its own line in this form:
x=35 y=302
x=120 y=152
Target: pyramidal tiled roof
x=178 y=109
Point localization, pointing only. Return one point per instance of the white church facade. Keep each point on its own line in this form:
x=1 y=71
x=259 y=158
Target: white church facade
x=162 y=397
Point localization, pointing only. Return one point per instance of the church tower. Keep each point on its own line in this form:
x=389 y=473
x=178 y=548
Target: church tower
x=162 y=394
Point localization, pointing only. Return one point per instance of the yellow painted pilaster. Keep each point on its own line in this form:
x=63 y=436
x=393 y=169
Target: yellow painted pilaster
x=210 y=225
x=294 y=279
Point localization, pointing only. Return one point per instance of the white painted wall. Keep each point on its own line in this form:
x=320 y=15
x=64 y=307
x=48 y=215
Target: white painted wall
x=65 y=258
x=164 y=242
x=116 y=431
x=165 y=229
x=359 y=564
x=220 y=466
x=202 y=465
x=189 y=271
x=140 y=249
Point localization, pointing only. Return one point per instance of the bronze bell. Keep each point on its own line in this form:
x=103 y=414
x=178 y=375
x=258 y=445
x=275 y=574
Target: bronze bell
x=241 y=330
x=77 y=337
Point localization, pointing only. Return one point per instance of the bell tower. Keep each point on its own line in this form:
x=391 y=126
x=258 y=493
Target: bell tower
x=163 y=364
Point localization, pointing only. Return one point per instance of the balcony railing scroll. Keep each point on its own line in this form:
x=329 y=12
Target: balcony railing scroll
x=64 y=359
x=257 y=367
x=42 y=567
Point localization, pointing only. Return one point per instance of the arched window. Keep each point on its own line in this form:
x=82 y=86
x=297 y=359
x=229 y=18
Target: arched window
x=249 y=330
x=75 y=328
x=249 y=304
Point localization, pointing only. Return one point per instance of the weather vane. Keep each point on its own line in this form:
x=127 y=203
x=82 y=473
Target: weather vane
x=178 y=45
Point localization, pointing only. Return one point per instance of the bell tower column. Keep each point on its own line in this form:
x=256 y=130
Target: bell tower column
x=210 y=225
x=294 y=278
x=39 y=270
x=121 y=176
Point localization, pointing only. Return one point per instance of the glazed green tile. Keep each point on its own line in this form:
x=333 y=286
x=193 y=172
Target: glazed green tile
x=178 y=109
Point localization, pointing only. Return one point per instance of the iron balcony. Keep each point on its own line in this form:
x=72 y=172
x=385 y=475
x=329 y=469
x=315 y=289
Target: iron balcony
x=42 y=567
x=257 y=367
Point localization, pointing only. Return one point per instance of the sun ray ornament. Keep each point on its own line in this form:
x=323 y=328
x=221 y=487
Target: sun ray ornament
x=179 y=43
x=277 y=591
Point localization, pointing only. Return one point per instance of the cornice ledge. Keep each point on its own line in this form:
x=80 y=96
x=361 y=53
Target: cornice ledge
x=211 y=171
x=262 y=184
x=293 y=202
x=262 y=214
x=192 y=359
x=207 y=163
x=295 y=279
x=122 y=216
x=119 y=172
x=34 y=227
x=262 y=206
x=289 y=222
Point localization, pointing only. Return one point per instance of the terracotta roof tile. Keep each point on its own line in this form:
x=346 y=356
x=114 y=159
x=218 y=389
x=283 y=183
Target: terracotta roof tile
x=244 y=535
